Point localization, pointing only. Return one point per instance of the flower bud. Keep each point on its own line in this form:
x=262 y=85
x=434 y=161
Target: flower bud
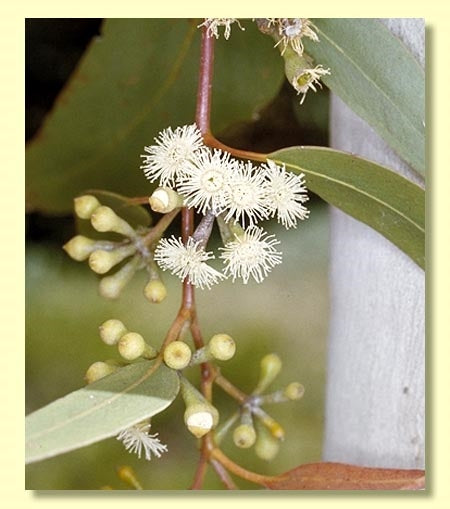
x=110 y=287
x=101 y=261
x=111 y=331
x=270 y=367
x=132 y=345
x=104 y=219
x=85 y=206
x=222 y=347
x=164 y=200
x=99 y=370
x=266 y=445
x=128 y=476
x=269 y=422
x=200 y=416
x=155 y=291
x=294 y=391
x=244 y=436
x=177 y=355
x=79 y=247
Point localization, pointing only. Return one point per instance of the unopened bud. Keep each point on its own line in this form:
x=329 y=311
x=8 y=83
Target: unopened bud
x=128 y=476
x=110 y=287
x=244 y=436
x=79 y=247
x=266 y=445
x=85 y=206
x=132 y=345
x=155 y=291
x=294 y=391
x=101 y=261
x=104 y=219
x=222 y=347
x=177 y=355
x=164 y=200
x=270 y=368
x=200 y=416
x=269 y=422
x=111 y=331
x=99 y=370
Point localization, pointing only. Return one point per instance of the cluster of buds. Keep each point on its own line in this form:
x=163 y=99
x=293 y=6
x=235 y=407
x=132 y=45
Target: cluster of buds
x=200 y=416
x=237 y=194
x=104 y=255
x=256 y=427
x=130 y=345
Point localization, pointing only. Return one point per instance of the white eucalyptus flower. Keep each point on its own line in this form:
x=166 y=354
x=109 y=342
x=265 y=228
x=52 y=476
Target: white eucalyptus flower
x=286 y=192
x=172 y=153
x=187 y=261
x=212 y=26
x=308 y=79
x=252 y=254
x=206 y=183
x=137 y=439
x=292 y=31
x=247 y=195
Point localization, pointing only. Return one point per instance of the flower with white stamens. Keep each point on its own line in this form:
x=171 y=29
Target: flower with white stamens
x=286 y=192
x=252 y=254
x=292 y=31
x=308 y=79
x=137 y=439
x=205 y=185
x=212 y=26
x=247 y=195
x=187 y=261
x=172 y=153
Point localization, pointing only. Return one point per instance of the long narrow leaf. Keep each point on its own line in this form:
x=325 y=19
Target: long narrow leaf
x=100 y=410
x=378 y=78
x=389 y=203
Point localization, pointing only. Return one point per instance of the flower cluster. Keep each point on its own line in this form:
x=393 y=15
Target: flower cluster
x=235 y=193
x=212 y=26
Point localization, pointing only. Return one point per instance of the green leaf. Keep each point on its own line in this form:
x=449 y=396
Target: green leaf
x=389 y=203
x=378 y=78
x=100 y=410
x=139 y=77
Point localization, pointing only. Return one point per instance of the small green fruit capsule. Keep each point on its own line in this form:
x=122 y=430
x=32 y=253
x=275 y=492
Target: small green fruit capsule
x=131 y=346
x=85 y=206
x=79 y=247
x=222 y=347
x=104 y=219
x=266 y=446
x=200 y=418
x=155 y=291
x=111 y=331
x=294 y=391
x=98 y=370
x=244 y=436
x=270 y=367
x=177 y=355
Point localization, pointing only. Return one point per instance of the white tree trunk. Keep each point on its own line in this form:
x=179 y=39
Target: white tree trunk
x=375 y=387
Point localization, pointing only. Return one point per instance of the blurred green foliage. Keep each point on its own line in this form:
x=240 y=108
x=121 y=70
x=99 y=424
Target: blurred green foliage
x=286 y=314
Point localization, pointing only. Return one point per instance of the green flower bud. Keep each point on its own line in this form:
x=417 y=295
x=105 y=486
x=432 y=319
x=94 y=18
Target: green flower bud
x=164 y=200
x=104 y=219
x=177 y=355
x=269 y=422
x=85 y=206
x=111 y=331
x=155 y=291
x=222 y=347
x=132 y=345
x=244 y=435
x=266 y=445
x=110 y=287
x=270 y=368
x=200 y=416
x=294 y=391
x=99 y=370
x=101 y=261
x=79 y=247
x=128 y=476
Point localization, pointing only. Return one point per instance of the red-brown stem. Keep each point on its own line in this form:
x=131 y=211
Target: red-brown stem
x=204 y=91
x=224 y=476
